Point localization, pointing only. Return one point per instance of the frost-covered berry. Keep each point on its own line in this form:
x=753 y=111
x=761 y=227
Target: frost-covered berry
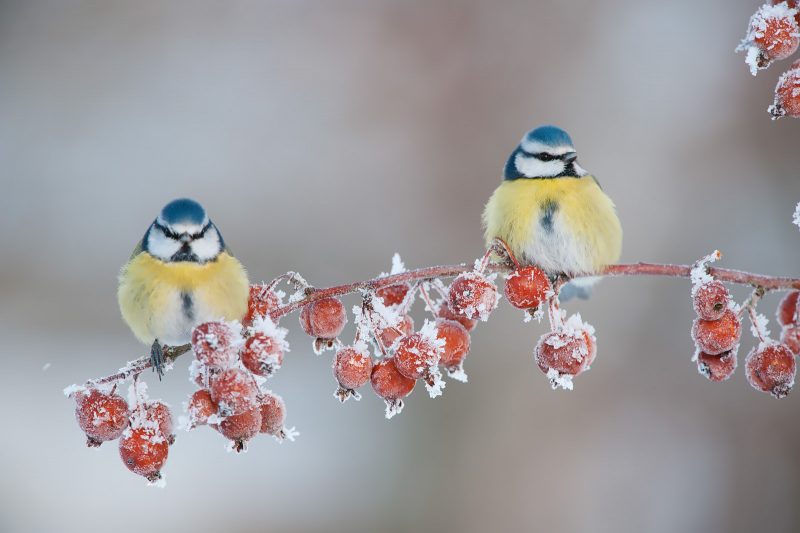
x=792 y=4
x=446 y=313
x=262 y=300
x=158 y=412
x=390 y=334
x=393 y=294
x=456 y=343
x=717 y=367
x=562 y=355
x=324 y=318
x=772 y=35
x=527 y=287
x=717 y=336
x=787 y=94
x=262 y=354
x=214 y=344
x=235 y=391
x=415 y=355
x=101 y=416
x=273 y=414
x=771 y=368
x=391 y=385
x=710 y=300
x=787 y=309
x=352 y=368
x=144 y=451
x=473 y=295
x=241 y=427
x=200 y=408
x=790 y=336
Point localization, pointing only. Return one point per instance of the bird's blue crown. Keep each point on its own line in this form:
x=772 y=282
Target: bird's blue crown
x=183 y=211
x=545 y=137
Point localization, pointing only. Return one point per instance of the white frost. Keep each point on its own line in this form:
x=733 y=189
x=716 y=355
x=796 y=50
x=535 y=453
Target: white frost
x=558 y=380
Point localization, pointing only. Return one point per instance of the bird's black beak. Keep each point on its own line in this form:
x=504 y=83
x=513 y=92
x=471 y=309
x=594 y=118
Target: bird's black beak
x=569 y=157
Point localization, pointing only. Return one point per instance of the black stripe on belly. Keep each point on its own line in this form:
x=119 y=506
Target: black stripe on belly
x=549 y=207
x=187 y=305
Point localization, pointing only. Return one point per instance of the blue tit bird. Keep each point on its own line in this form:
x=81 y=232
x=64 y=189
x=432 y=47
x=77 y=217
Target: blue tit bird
x=180 y=275
x=552 y=213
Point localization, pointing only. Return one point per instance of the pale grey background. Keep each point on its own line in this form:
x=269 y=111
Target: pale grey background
x=323 y=137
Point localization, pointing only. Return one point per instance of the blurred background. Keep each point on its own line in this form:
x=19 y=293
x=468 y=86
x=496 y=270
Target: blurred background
x=325 y=136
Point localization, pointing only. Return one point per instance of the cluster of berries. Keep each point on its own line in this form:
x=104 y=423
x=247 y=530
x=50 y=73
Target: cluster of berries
x=770 y=366
x=773 y=34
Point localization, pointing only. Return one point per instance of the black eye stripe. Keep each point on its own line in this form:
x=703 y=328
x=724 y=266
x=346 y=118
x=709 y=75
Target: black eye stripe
x=172 y=235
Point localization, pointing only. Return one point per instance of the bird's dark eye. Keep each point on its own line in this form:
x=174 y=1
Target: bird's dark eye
x=544 y=156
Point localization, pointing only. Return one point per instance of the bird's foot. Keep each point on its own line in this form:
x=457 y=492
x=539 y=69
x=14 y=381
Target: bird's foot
x=157 y=358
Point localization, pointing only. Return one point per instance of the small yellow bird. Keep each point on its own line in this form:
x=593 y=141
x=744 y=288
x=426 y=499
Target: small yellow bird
x=553 y=214
x=180 y=275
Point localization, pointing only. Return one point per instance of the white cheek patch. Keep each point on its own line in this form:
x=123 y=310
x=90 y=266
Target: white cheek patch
x=160 y=245
x=208 y=247
x=579 y=170
x=534 y=168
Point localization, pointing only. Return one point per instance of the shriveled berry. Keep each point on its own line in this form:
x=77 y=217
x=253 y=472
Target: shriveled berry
x=787 y=309
x=710 y=300
x=235 y=391
x=214 y=344
x=262 y=300
x=324 y=318
x=101 y=416
x=787 y=94
x=159 y=412
x=200 y=408
x=262 y=354
x=273 y=414
x=448 y=314
x=390 y=334
x=473 y=295
x=241 y=427
x=393 y=294
x=144 y=451
x=717 y=367
x=771 y=368
x=717 y=336
x=415 y=355
x=352 y=368
x=565 y=352
x=456 y=343
x=527 y=287
x=388 y=383
x=790 y=336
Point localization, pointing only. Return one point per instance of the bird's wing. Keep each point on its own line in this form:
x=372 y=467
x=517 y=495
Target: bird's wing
x=139 y=249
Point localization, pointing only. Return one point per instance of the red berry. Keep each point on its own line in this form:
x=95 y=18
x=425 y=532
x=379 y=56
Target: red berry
x=771 y=369
x=717 y=367
x=448 y=314
x=200 y=408
x=591 y=345
x=564 y=352
x=214 y=344
x=235 y=391
x=393 y=294
x=717 y=336
x=473 y=296
x=527 y=287
x=352 y=368
x=159 y=412
x=388 y=383
x=101 y=416
x=456 y=343
x=324 y=319
x=792 y=5
x=787 y=94
x=787 y=309
x=791 y=338
x=262 y=300
x=262 y=354
x=273 y=414
x=710 y=300
x=415 y=356
x=403 y=328
x=241 y=427
x=774 y=30
x=144 y=451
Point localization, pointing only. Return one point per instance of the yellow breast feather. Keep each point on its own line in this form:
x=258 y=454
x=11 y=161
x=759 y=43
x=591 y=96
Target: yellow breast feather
x=587 y=233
